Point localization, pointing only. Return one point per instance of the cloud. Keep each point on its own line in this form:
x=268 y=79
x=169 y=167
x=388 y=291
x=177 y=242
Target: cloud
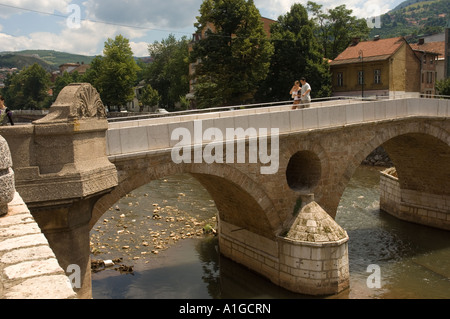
x=362 y=9
x=10 y=7
x=145 y=13
x=154 y=20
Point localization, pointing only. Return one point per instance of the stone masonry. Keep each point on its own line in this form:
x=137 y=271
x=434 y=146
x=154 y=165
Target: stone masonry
x=28 y=266
x=422 y=208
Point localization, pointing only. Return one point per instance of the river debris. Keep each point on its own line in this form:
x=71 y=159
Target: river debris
x=99 y=265
x=138 y=236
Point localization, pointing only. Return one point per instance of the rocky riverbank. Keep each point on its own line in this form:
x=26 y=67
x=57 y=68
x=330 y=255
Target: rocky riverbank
x=133 y=232
x=378 y=157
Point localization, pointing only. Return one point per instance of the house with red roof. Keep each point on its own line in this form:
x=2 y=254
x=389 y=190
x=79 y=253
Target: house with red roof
x=380 y=67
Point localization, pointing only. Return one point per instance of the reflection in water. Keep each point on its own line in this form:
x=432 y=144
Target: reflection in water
x=414 y=260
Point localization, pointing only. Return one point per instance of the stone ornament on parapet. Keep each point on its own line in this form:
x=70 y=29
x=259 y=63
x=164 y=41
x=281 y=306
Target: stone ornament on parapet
x=7 y=185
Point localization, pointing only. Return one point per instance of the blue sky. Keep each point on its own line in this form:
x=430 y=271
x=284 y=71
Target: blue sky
x=54 y=24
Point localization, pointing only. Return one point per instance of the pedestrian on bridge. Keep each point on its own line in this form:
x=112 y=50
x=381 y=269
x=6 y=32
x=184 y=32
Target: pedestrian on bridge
x=5 y=113
x=305 y=94
x=295 y=94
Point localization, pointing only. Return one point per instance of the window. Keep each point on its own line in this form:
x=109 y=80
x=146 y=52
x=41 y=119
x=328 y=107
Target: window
x=429 y=77
x=340 y=79
x=361 y=77
x=377 y=76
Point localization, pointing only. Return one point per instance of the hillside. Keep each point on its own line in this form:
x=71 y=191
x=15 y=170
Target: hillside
x=414 y=18
x=48 y=59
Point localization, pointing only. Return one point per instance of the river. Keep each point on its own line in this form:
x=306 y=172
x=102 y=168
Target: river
x=157 y=230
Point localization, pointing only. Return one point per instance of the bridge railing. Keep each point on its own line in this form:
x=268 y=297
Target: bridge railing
x=133 y=120
x=141 y=136
x=129 y=117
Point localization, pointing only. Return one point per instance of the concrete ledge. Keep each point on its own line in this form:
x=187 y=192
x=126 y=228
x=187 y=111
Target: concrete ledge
x=28 y=266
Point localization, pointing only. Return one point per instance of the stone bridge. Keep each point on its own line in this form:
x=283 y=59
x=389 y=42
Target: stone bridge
x=276 y=175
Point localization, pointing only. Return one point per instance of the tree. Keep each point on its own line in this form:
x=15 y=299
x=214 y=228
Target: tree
x=443 y=87
x=28 y=89
x=150 y=96
x=114 y=74
x=336 y=28
x=297 y=54
x=169 y=71
x=235 y=56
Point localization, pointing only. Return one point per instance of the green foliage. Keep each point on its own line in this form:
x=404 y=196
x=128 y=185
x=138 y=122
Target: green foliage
x=336 y=28
x=169 y=71
x=235 y=57
x=28 y=89
x=114 y=75
x=443 y=87
x=297 y=54
x=150 y=96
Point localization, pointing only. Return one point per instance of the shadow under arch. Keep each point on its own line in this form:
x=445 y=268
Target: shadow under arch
x=420 y=155
x=238 y=198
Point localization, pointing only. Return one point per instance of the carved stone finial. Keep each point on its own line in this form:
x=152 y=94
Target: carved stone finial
x=76 y=101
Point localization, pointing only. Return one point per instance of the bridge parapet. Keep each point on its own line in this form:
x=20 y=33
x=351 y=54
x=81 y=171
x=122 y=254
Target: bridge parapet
x=62 y=169
x=61 y=157
x=142 y=136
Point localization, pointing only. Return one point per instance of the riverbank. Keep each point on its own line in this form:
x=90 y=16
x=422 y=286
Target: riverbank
x=141 y=226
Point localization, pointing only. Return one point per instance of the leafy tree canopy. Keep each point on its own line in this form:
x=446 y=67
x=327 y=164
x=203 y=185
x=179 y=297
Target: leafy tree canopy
x=28 y=89
x=235 y=53
x=169 y=71
x=297 y=54
x=114 y=74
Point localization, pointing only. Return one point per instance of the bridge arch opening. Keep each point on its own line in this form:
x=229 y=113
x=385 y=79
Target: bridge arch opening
x=303 y=171
x=169 y=212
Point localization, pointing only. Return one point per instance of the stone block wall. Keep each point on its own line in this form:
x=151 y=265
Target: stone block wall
x=28 y=266
x=422 y=208
x=314 y=268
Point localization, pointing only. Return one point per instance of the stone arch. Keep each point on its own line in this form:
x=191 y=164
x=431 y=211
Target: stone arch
x=427 y=137
x=232 y=191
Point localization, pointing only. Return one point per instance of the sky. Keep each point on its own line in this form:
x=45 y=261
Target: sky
x=83 y=26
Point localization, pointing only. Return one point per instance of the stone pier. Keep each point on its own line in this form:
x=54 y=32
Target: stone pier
x=312 y=258
x=409 y=205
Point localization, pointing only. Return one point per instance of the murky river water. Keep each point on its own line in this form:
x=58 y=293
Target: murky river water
x=157 y=229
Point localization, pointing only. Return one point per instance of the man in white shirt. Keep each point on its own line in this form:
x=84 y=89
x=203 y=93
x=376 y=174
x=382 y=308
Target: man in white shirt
x=305 y=94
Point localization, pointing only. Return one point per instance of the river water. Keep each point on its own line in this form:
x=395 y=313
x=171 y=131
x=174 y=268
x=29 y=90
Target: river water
x=157 y=230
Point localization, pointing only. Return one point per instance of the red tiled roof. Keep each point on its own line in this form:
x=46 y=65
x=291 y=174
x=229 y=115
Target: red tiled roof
x=433 y=47
x=374 y=50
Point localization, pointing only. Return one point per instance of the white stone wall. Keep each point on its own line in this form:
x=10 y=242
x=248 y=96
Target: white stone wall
x=28 y=266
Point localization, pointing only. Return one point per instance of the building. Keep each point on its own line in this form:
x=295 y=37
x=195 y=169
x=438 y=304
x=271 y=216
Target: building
x=380 y=67
x=74 y=67
x=432 y=57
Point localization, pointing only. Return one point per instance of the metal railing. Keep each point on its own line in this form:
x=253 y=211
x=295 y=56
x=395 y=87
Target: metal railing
x=223 y=109
x=270 y=104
